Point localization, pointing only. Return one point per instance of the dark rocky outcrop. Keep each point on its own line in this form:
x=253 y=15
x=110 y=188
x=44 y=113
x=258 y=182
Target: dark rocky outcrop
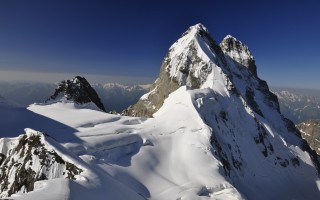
x=310 y=131
x=31 y=159
x=77 y=90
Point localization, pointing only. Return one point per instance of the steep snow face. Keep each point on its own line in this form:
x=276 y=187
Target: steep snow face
x=244 y=117
x=193 y=61
x=257 y=154
x=196 y=61
x=77 y=90
x=192 y=58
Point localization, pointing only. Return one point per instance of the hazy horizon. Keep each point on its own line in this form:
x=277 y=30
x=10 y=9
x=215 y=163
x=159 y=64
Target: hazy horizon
x=51 y=77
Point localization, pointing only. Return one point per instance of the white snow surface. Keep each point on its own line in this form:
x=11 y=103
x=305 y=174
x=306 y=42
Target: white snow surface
x=168 y=156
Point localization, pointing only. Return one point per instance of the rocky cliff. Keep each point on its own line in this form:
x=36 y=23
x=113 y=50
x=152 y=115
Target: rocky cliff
x=310 y=131
x=77 y=90
x=31 y=157
x=192 y=59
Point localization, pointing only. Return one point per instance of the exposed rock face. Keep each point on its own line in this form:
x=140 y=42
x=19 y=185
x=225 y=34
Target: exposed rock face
x=310 y=131
x=183 y=65
x=192 y=60
x=242 y=63
x=30 y=158
x=77 y=90
x=239 y=52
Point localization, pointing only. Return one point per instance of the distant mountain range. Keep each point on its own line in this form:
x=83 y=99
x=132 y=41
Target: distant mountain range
x=115 y=96
x=299 y=105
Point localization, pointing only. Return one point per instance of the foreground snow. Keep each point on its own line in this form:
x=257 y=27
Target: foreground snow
x=165 y=157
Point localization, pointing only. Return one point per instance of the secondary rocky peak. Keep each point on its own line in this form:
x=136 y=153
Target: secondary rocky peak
x=31 y=157
x=77 y=90
x=239 y=52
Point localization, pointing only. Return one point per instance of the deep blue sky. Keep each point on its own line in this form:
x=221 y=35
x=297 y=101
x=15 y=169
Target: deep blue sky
x=130 y=38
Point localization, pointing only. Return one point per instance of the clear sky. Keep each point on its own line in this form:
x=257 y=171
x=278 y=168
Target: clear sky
x=130 y=38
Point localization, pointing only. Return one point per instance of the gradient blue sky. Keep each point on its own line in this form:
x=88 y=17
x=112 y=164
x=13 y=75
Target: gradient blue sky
x=130 y=38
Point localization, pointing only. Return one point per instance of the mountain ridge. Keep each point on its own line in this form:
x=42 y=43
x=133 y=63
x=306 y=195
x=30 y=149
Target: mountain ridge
x=216 y=132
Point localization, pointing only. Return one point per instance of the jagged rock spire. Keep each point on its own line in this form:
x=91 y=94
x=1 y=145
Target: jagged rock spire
x=239 y=52
x=78 y=90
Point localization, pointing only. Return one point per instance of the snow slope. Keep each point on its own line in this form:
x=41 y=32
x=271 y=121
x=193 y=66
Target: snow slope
x=150 y=156
x=169 y=156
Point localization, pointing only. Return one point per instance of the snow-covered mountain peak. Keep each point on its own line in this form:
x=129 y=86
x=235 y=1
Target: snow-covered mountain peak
x=113 y=85
x=196 y=28
x=194 y=60
x=239 y=52
x=197 y=61
x=77 y=90
x=229 y=36
x=192 y=57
